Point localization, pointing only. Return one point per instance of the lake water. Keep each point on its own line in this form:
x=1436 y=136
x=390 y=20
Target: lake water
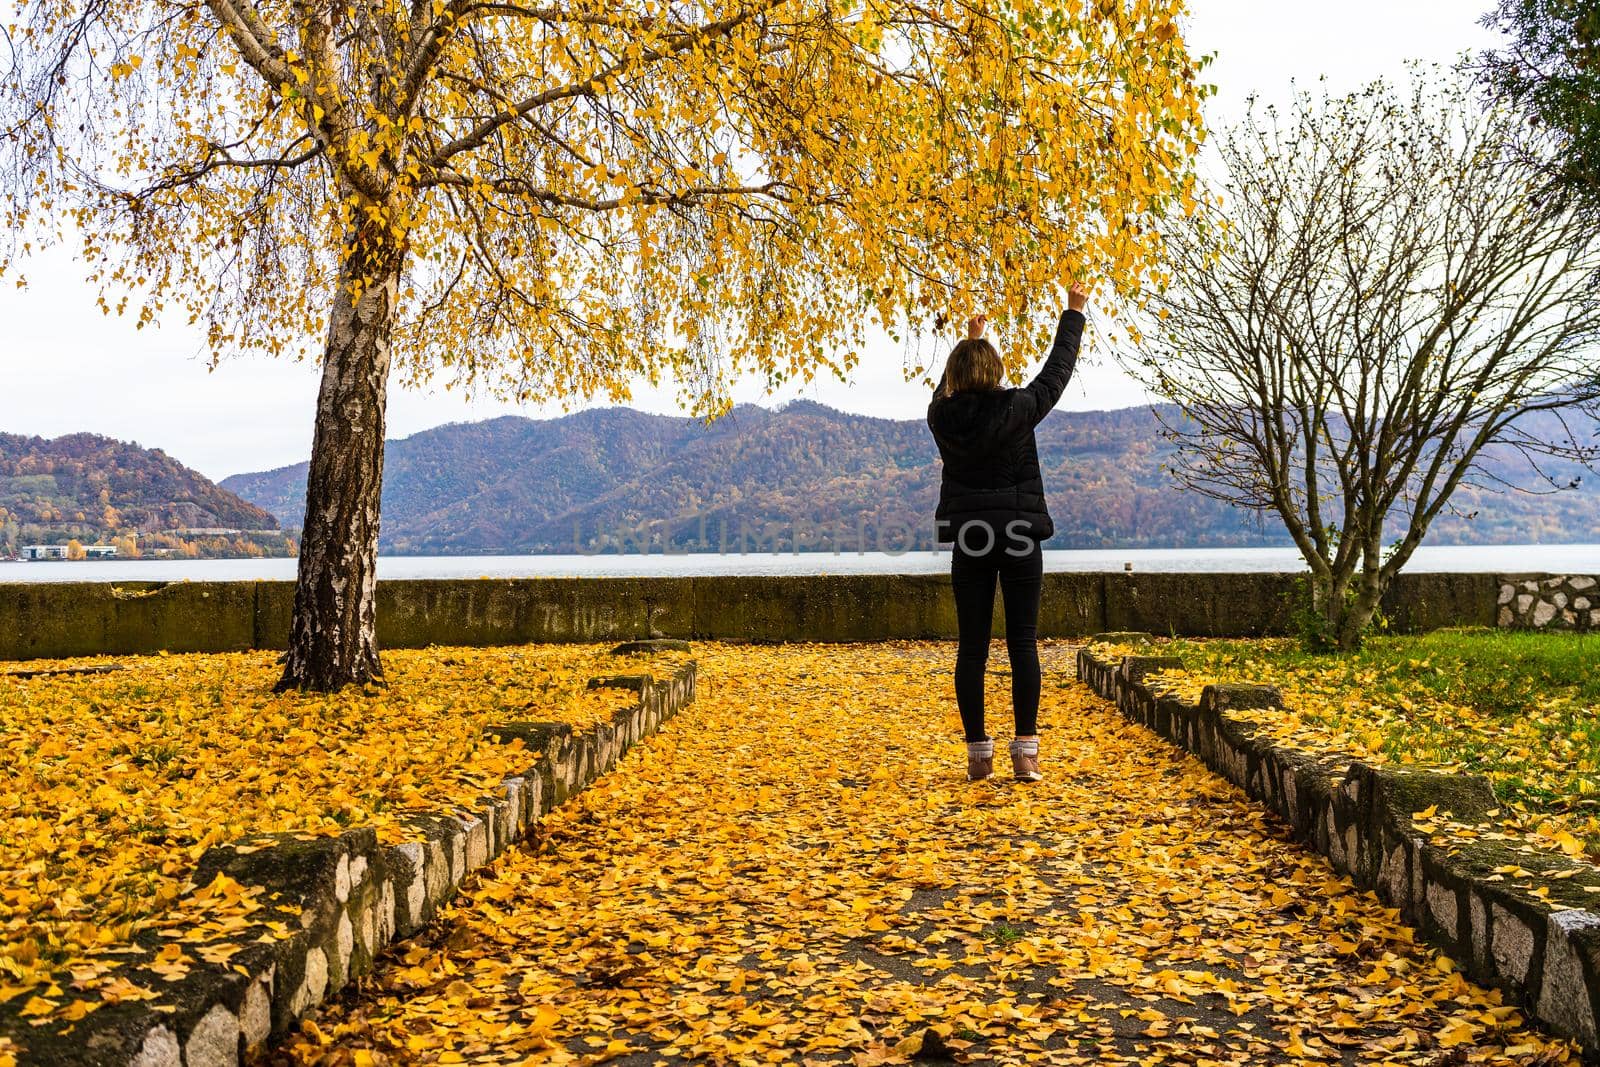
x=1569 y=559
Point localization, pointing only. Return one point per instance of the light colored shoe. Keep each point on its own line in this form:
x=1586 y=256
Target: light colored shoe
x=1025 y=760
x=980 y=760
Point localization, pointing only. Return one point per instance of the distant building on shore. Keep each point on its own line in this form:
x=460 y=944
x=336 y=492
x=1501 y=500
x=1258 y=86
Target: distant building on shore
x=39 y=552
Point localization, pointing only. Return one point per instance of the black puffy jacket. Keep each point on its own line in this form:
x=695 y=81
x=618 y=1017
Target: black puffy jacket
x=991 y=461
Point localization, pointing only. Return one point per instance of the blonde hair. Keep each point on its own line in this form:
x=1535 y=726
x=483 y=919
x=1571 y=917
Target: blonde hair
x=974 y=366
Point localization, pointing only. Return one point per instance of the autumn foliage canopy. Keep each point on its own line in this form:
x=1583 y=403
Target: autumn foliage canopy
x=584 y=194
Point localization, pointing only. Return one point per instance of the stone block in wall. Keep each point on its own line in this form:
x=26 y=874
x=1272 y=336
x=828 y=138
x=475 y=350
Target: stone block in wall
x=1195 y=605
x=206 y=1006
x=1400 y=792
x=62 y=619
x=1097 y=674
x=1393 y=796
x=1170 y=716
x=589 y=767
x=1567 y=981
x=635 y=682
x=822 y=607
x=494 y=812
x=1074 y=604
x=535 y=736
x=415 y=614
x=1228 y=746
x=273 y=607
x=1416 y=602
x=314 y=876
x=1137 y=702
x=558 y=764
x=1239 y=696
x=1137 y=668
x=475 y=844
x=1514 y=944
x=406 y=862
x=1538 y=935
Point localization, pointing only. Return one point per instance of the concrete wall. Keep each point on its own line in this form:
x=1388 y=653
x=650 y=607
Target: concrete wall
x=74 y=619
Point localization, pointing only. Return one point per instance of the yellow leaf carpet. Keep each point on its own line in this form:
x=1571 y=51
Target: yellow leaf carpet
x=796 y=870
x=112 y=785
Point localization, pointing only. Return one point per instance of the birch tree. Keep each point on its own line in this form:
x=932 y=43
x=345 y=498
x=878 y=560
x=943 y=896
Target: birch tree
x=557 y=200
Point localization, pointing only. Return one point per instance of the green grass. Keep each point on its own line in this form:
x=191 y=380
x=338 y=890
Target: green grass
x=1497 y=672
x=1003 y=933
x=1521 y=708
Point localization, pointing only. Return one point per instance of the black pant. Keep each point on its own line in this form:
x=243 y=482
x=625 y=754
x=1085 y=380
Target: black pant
x=972 y=578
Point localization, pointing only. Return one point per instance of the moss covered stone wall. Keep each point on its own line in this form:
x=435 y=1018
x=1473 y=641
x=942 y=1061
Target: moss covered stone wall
x=88 y=618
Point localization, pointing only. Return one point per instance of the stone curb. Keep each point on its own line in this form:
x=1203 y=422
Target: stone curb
x=339 y=901
x=1534 y=937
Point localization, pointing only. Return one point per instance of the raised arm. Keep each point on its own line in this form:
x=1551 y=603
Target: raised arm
x=1051 y=381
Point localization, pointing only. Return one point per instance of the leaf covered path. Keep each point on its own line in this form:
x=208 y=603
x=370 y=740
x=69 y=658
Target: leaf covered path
x=795 y=870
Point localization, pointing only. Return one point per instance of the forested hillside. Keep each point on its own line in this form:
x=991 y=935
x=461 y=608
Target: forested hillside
x=760 y=478
x=93 y=489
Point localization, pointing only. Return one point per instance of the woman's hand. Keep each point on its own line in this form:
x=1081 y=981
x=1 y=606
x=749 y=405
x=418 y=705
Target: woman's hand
x=976 y=325
x=1078 y=298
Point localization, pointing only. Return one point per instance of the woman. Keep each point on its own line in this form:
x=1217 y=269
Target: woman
x=991 y=505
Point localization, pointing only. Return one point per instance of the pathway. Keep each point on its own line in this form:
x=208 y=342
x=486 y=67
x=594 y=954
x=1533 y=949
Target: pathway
x=795 y=870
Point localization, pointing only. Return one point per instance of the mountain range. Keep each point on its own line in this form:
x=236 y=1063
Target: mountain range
x=761 y=479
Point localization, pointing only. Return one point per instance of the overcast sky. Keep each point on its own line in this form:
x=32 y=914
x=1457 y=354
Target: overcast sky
x=68 y=368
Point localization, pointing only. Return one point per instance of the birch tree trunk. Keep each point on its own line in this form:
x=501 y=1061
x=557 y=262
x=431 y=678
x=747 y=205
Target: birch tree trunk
x=332 y=636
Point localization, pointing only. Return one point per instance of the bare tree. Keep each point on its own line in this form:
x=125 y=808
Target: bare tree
x=1381 y=298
